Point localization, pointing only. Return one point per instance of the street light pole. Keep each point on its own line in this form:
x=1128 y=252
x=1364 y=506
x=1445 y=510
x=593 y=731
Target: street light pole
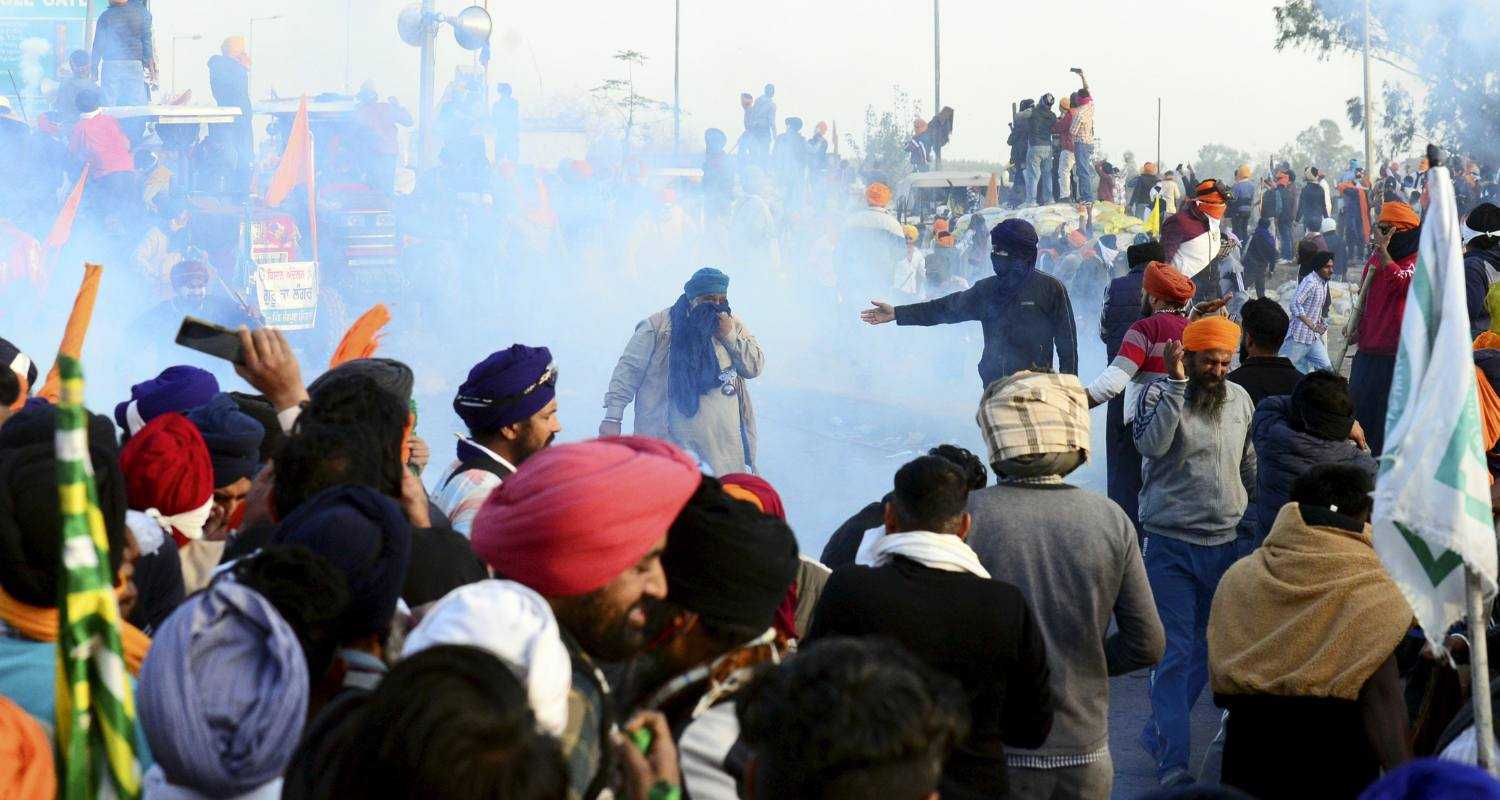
x=676 y=76
x=1369 y=108
x=175 y=39
x=937 y=77
x=427 y=78
x=250 y=52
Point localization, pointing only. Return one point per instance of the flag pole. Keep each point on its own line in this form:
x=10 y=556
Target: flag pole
x=1479 y=669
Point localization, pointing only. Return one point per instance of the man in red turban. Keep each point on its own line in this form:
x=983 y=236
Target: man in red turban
x=1192 y=429
x=585 y=526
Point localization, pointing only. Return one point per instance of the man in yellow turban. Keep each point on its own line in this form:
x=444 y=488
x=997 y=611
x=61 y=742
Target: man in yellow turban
x=1197 y=471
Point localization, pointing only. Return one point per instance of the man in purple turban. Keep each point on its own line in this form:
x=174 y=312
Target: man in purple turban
x=509 y=404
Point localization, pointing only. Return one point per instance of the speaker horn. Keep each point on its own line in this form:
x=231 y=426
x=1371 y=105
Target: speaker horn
x=472 y=27
x=409 y=25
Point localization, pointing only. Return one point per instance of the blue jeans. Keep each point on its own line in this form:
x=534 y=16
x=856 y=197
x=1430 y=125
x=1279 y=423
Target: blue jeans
x=1039 y=170
x=1183 y=578
x=1307 y=357
x=1088 y=182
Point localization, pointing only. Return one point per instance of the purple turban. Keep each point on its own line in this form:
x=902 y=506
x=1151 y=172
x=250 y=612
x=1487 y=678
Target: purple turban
x=222 y=694
x=496 y=393
x=177 y=388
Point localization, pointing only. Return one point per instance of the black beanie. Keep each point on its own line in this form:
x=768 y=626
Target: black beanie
x=1321 y=406
x=727 y=561
x=1139 y=255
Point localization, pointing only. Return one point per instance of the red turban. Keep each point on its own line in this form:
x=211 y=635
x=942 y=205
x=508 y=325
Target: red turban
x=1164 y=282
x=765 y=496
x=169 y=475
x=577 y=515
x=1211 y=333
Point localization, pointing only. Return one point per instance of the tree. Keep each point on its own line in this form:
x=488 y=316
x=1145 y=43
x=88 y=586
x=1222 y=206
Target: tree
x=1321 y=146
x=1219 y=161
x=883 y=152
x=619 y=95
x=1444 y=44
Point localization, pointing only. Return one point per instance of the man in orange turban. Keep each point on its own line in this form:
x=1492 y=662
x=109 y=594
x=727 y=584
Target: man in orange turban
x=1399 y=216
x=1197 y=467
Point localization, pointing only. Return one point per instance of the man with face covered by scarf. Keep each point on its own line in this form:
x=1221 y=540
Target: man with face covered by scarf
x=1025 y=313
x=1197 y=475
x=686 y=369
x=1398 y=233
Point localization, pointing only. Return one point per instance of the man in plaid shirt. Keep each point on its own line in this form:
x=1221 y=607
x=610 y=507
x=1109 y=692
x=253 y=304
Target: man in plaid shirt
x=1304 y=342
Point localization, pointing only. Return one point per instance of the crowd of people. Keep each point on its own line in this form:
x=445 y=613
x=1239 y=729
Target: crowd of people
x=306 y=610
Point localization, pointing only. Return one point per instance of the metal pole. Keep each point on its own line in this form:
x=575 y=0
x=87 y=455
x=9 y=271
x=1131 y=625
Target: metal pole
x=427 y=78
x=348 y=45
x=88 y=29
x=1369 y=108
x=1479 y=661
x=676 y=76
x=1161 y=168
x=937 y=78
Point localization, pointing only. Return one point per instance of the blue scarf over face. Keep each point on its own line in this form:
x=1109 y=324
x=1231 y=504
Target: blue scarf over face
x=1017 y=239
x=692 y=364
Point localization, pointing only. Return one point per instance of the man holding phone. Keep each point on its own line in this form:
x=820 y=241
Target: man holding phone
x=1081 y=131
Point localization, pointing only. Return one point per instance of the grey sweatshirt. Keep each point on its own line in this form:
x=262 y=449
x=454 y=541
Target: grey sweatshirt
x=1073 y=555
x=1197 y=470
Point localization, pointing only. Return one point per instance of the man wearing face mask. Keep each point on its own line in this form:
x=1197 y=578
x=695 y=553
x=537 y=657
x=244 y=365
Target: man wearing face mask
x=1191 y=237
x=190 y=297
x=686 y=369
x=1025 y=314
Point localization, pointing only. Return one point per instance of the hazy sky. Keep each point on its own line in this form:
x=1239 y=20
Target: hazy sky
x=1212 y=63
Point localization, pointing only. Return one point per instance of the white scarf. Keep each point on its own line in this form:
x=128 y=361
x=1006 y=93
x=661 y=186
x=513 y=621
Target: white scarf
x=942 y=551
x=188 y=523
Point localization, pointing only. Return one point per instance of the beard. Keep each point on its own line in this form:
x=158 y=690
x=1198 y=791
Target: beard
x=1206 y=395
x=604 y=633
x=1146 y=309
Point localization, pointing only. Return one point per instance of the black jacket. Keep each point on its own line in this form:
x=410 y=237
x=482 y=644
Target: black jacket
x=1311 y=206
x=1476 y=284
x=1042 y=120
x=1024 y=336
x=123 y=33
x=978 y=630
x=843 y=545
x=1122 y=307
x=1265 y=376
x=1277 y=204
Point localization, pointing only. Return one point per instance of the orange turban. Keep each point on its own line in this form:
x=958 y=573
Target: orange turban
x=878 y=194
x=1211 y=333
x=1399 y=216
x=26 y=755
x=237 y=48
x=1164 y=282
x=939 y=225
x=1242 y=173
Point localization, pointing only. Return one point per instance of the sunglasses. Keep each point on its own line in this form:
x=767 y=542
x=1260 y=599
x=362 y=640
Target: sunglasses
x=548 y=380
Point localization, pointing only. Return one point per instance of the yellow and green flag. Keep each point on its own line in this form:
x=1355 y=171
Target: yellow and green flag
x=95 y=703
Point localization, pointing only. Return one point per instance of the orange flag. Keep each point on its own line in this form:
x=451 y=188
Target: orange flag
x=992 y=194
x=62 y=227
x=297 y=167
x=363 y=337
x=76 y=330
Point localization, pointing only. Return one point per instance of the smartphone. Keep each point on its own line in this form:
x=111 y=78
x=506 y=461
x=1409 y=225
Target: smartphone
x=1076 y=70
x=215 y=340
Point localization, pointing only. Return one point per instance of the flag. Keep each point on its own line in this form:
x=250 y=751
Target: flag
x=363 y=337
x=95 y=702
x=62 y=226
x=297 y=167
x=992 y=192
x=75 y=331
x=1153 y=219
x=1432 y=504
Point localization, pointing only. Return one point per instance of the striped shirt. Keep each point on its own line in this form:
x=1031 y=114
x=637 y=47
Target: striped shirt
x=1312 y=292
x=1142 y=359
x=1083 y=121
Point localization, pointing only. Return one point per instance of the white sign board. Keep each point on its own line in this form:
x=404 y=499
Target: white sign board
x=288 y=294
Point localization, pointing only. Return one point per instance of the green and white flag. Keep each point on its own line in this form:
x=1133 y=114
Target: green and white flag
x=1432 y=501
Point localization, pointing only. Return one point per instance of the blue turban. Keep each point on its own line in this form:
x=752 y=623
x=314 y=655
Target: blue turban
x=177 y=388
x=223 y=693
x=1015 y=236
x=1433 y=779
x=492 y=396
x=364 y=535
x=233 y=438
x=706 y=281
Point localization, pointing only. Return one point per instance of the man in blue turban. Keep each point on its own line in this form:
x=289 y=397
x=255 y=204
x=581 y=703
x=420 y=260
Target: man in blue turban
x=509 y=405
x=234 y=439
x=686 y=369
x=1025 y=313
